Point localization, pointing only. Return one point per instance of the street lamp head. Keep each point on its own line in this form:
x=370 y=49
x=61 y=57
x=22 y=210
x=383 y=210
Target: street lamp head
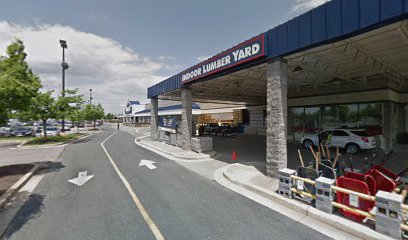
x=64 y=65
x=63 y=44
x=90 y=89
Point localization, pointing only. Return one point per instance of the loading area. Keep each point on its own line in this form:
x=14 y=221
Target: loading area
x=332 y=83
x=295 y=83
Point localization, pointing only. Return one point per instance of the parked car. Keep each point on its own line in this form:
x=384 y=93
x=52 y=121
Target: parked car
x=22 y=131
x=66 y=129
x=212 y=129
x=353 y=140
x=225 y=129
x=5 y=131
x=51 y=131
x=79 y=125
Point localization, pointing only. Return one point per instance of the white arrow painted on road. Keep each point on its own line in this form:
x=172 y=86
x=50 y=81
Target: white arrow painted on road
x=147 y=163
x=81 y=179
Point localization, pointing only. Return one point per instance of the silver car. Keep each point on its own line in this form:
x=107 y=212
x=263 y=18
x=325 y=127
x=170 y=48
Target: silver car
x=51 y=131
x=5 y=131
x=353 y=140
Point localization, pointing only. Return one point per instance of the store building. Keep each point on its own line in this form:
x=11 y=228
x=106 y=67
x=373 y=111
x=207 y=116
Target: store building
x=136 y=113
x=128 y=113
x=342 y=64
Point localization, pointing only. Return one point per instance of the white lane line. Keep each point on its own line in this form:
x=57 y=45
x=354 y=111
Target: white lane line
x=155 y=230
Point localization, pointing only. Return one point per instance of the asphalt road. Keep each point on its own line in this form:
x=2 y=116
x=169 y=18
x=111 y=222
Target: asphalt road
x=181 y=203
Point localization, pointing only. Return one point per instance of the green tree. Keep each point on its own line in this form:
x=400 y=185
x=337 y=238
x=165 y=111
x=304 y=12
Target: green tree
x=93 y=113
x=18 y=84
x=70 y=106
x=77 y=116
x=43 y=107
x=109 y=116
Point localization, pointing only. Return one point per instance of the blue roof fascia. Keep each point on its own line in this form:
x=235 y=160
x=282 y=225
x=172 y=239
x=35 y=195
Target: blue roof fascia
x=333 y=21
x=330 y=22
x=168 y=108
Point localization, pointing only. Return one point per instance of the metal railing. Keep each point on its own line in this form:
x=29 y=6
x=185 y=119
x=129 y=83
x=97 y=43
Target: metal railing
x=368 y=197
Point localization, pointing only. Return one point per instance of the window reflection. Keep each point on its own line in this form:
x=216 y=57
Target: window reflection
x=312 y=116
x=370 y=118
x=330 y=117
x=352 y=116
x=348 y=116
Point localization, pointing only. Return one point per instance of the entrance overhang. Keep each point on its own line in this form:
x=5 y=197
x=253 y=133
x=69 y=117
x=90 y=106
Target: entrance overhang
x=368 y=67
x=329 y=23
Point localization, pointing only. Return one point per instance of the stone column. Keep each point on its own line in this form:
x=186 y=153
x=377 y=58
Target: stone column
x=154 y=119
x=186 y=117
x=276 y=117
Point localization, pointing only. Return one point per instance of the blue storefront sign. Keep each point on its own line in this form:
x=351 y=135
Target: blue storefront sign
x=128 y=110
x=168 y=121
x=242 y=53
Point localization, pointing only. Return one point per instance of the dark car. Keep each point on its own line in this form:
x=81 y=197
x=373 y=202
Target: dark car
x=23 y=132
x=211 y=129
x=226 y=129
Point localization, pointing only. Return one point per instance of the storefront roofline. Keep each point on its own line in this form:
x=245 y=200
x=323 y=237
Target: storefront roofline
x=333 y=21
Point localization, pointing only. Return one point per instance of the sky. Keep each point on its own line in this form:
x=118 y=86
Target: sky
x=119 y=48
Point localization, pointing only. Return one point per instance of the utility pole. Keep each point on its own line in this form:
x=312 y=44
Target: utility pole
x=90 y=96
x=64 y=66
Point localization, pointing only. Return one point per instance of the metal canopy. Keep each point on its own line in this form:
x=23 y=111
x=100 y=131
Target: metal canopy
x=331 y=22
x=374 y=60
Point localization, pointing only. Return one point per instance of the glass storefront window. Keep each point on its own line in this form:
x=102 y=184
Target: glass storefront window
x=295 y=121
x=352 y=116
x=348 y=116
x=312 y=117
x=370 y=118
x=329 y=117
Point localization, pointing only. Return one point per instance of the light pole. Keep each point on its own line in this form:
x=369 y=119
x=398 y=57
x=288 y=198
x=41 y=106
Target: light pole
x=64 y=66
x=90 y=96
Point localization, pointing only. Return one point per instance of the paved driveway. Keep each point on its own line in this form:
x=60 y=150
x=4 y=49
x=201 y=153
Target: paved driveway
x=182 y=204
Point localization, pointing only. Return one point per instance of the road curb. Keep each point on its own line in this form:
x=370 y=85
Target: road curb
x=171 y=156
x=334 y=221
x=21 y=145
x=5 y=198
x=9 y=141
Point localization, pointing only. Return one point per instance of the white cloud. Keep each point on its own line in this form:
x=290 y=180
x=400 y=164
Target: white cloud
x=114 y=72
x=95 y=17
x=164 y=58
x=202 y=58
x=301 y=6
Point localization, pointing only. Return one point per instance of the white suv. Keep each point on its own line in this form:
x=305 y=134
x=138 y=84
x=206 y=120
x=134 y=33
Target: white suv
x=353 y=140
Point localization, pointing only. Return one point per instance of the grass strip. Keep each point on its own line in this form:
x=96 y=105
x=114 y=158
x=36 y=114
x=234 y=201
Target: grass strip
x=53 y=139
